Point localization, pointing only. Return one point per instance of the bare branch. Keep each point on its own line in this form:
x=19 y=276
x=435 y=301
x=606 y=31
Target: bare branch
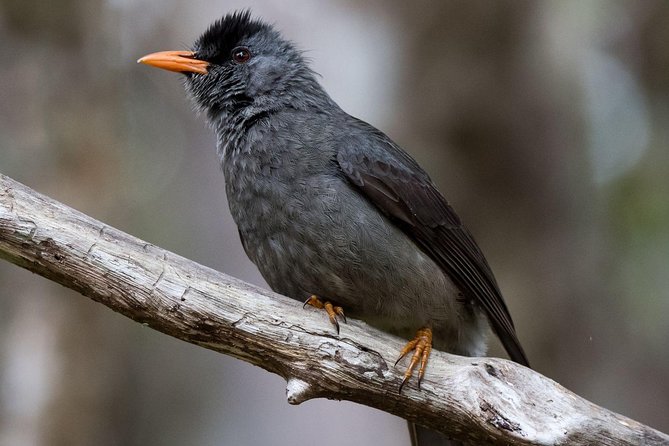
x=480 y=400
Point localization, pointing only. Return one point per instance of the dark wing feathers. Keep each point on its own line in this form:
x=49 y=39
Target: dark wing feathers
x=395 y=183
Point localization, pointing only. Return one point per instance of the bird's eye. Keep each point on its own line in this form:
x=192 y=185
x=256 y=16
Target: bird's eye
x=241 y=54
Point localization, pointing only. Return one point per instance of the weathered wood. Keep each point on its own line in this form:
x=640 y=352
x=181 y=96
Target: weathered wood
x=481 y=400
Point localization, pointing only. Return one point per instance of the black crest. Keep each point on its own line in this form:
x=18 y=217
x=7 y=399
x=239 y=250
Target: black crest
x=225 y=34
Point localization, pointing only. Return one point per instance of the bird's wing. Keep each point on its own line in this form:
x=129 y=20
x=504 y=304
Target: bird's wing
x=394 y=182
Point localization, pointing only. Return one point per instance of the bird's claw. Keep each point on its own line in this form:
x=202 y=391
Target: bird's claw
x=421 y=345
x=333 y=311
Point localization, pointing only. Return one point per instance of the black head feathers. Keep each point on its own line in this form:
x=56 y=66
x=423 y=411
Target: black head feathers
x=216 y=43
x=251 y=69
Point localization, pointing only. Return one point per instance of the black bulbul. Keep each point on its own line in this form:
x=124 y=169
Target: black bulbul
x=329 y=208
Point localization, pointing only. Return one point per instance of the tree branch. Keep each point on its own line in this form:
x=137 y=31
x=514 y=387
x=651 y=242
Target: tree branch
x=480 y=400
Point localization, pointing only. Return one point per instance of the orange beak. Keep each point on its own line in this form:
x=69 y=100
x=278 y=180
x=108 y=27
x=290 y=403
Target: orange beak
x=179 y=61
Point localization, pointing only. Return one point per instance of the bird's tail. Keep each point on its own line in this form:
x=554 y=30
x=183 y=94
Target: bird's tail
x=422 y=436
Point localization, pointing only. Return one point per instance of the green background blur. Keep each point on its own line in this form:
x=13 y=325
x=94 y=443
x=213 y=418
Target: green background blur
x=545 y=123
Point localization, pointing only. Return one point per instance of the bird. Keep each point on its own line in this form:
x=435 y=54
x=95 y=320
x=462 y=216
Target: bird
x=330 y=209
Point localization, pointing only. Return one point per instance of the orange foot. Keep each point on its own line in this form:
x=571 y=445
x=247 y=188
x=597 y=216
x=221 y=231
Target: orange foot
x=332 y=310
x=421 y=345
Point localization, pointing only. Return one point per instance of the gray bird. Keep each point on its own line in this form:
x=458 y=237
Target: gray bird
x=330 y=209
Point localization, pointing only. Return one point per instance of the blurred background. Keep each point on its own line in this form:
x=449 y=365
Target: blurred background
x=545 y=123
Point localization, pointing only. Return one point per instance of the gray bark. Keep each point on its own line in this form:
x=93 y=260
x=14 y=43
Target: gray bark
x=480 y=400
